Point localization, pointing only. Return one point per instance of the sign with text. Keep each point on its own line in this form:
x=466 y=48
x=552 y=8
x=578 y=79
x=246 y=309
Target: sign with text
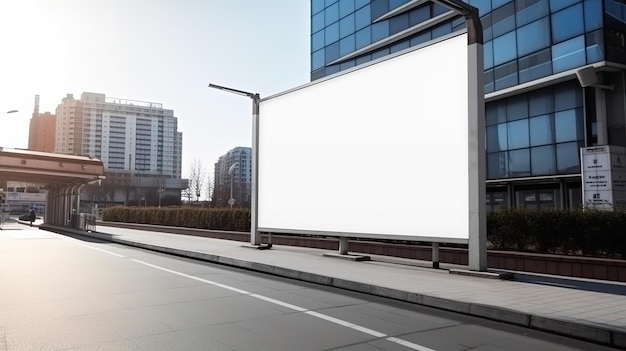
x=604 y=176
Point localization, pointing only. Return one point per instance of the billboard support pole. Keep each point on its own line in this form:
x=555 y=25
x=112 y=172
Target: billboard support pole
x=477 y=244
x=255 y=236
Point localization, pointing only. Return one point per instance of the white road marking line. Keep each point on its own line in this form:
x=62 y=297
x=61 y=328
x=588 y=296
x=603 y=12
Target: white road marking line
x=347 y=324
x=277 y=302
x=73 y=241
x=356 y=327
x=409 y=344
x=268 y=299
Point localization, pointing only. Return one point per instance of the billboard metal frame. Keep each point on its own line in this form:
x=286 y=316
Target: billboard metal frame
x=476 y=156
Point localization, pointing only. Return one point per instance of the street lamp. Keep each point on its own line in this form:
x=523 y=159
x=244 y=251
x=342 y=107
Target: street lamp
x=12 y=111
x=160 y=192
x=255 y=237
x=231 y=170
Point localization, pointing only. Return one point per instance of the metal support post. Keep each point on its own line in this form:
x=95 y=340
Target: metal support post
x=343 y=245
x=436 y=255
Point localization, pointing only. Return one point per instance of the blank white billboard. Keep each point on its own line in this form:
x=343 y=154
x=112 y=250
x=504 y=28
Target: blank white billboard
x=380 y=151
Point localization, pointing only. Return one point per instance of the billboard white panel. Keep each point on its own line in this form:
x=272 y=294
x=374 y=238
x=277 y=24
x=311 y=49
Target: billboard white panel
x=380 y=151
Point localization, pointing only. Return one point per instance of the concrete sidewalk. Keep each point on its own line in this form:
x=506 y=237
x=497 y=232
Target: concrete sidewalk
x=598 y=316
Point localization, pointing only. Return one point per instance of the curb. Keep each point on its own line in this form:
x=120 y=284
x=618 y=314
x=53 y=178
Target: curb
x=583 y=331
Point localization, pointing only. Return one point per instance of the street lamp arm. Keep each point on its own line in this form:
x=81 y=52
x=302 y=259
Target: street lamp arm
x=234 y=91
x=472 y=19
x=12 y=111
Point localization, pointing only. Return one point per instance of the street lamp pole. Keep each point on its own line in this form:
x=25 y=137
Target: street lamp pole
x=477 y=243
x=231 y=172
x=255 y=236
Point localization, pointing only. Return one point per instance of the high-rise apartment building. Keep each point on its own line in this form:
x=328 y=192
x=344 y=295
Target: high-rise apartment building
x=42 y=131
x=240 y=179
x=137 y=141
x=539 y=113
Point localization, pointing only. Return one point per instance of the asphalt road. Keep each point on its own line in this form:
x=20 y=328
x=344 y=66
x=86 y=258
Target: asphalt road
x=75 y=293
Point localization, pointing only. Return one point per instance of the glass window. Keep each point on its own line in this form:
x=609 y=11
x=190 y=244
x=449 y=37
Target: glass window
x=346 y=26
x=489 y=81
x=399 y=46
x=345 y=7
x=496 y=138
x=594 y=46
x=317 y=22
x=362 y=17
x=363 y=59
x=483 y=6
x=543 y=160
x=317 y=6
x=568 y=54
x=442 y=29
x=331 y=52
x=346 y=45
x=360 y=3
x=439 y=9
x=530 y=10
x=519 y=163
x=568 y=23
x=568 y=125
x=419 y=15
x=347 y=64
x=497 y=165
x=332 y=69
x=379 y=8
x=329 y=2
x=380 y=31
x=331 y=14
x=487 y=32
x=567 y=96
x=420 y=39
x=541 y=130
x=495 y=112
x=593 y=15
x=504 y=48
x=363 y=38
x=317 y=40
x=396 y=3
x=506 y=75
x=556 y=5
x=488 y=54
x=541 y=102
x=380 y=53
x=533 y=37
x=535 y=66
x=568 y=157
x=331 y=33
x=503 y=19
x=517 y=107
x=458 y=23
x=517 y=134
x=317 y=60
x=498 y=3
x=398 y=23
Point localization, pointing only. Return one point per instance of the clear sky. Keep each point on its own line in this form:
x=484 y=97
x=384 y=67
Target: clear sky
x=163 y=51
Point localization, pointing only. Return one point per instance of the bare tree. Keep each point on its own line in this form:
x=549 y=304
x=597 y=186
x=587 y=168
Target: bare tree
x=196 y=178
x=208 y=188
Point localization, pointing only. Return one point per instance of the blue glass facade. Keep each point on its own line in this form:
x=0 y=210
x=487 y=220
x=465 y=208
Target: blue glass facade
x=537 y=114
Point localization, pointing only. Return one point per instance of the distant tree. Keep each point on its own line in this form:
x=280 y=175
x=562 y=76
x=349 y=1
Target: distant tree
x=196 y=178
x=208 y=188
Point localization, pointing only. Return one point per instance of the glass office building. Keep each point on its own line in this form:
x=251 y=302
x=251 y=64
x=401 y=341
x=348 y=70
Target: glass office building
x=538 y=114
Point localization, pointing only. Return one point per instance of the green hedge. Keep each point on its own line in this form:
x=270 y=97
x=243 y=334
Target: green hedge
x=589 y=233
x=236 y=219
